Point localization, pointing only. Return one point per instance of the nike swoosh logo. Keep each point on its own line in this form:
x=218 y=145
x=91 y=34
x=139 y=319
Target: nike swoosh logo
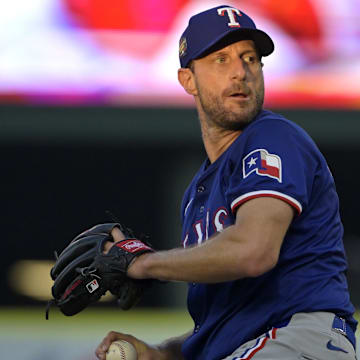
x=330 y=346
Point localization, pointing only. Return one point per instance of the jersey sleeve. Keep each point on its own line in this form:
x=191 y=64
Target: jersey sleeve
x=276 y=160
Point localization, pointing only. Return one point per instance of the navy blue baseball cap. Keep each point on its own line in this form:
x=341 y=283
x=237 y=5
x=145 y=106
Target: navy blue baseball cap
x=220 y=26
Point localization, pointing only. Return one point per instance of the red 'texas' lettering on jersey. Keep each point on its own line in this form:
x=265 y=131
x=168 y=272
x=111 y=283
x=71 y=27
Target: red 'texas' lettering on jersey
x=201 y=227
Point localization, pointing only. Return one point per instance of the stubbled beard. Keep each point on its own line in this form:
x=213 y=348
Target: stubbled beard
x=226 y=119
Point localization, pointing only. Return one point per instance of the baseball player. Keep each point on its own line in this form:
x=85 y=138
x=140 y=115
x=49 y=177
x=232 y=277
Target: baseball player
x=262 y=236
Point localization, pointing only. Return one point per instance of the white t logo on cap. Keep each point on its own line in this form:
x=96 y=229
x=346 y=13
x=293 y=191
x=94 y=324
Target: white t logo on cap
x=231 y=14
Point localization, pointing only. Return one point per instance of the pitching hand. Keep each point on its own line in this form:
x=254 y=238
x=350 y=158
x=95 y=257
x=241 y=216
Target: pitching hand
x=144 y=351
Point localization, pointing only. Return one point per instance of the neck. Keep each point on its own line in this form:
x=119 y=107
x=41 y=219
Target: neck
x=216 y=140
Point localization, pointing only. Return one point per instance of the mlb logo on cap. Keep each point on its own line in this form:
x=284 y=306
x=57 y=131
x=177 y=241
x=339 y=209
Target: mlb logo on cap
x=208 y=28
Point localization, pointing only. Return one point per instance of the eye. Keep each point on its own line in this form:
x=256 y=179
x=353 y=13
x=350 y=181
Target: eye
x=220 y=59
x=250 y=59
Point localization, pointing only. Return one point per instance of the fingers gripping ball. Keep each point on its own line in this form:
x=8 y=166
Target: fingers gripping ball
x=121 y=350
x=83 y=273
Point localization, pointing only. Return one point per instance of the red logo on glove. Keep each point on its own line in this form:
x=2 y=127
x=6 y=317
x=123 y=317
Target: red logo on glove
x=71 y=288
x=132 y=245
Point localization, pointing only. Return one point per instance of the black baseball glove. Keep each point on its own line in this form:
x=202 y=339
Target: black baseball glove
x=82 y=273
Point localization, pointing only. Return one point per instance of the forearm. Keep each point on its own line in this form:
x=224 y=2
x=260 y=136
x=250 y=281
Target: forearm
x=171 y=348
x=221 y=258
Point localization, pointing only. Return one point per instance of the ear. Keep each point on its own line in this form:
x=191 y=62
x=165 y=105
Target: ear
x=187 y=80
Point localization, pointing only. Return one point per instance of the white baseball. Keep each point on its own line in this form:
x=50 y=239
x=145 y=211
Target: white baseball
x=121 y=350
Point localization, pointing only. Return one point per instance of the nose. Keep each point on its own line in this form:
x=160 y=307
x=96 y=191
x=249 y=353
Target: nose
x=238 y=70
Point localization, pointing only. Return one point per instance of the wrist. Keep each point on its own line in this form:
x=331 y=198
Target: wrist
x=162 y=353
x=170 y=349
x=137 y=269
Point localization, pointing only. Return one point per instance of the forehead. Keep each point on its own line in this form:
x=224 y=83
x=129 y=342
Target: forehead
x=241 y=45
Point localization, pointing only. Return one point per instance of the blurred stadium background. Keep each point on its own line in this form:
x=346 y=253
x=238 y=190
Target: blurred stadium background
x=92 y=119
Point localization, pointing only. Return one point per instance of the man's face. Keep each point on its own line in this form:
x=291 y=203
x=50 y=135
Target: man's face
x=230 y=85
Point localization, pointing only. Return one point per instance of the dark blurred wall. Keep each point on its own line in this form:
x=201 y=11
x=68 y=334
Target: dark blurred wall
x=62 y=168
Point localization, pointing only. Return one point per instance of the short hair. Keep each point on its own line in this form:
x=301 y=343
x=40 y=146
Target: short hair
x=191 y=65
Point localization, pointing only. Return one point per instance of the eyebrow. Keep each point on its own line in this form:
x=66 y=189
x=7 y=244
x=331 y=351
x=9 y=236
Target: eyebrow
x=224 y=52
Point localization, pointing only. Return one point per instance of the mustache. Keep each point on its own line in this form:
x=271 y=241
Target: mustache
x=237 y=89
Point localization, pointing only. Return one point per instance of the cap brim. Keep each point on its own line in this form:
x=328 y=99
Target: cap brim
x=263 y=42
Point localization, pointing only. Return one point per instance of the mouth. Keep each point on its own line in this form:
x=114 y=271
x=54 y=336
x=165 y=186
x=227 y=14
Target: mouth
x=239 y=95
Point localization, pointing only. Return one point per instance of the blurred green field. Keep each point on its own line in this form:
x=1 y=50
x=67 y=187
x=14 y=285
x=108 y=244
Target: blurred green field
x=150 y=323
x=26 y=335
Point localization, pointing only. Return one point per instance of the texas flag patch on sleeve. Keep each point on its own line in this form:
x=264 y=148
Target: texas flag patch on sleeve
x=262 y=163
